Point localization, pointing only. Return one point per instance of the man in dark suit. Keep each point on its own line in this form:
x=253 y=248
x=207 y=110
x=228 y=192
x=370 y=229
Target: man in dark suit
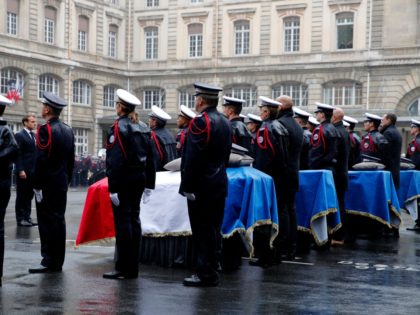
x=53 y=170
x=285 y=242
x=204 y=181
x=8 y=152
x=24 y=169
x=164 y=141
x=393 y=149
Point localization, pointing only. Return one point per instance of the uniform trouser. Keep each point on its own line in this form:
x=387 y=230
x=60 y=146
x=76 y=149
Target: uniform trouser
x=344 y=231
x=4 y=200
x=285 y=243
x=206 y=216
x=128 y=229
x=52 y=227
x=24 y=195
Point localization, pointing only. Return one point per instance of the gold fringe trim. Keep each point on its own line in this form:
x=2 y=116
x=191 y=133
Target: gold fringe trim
x=184 y=233
x=102 y=241
x=412 y=198
x=368 y=215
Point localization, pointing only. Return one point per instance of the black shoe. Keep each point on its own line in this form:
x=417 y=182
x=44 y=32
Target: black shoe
x=260 y=263
x=195 y=281
x=117 y=275
x=43 y=269
x=415 y=228
x=24 y=223
x=32 y=222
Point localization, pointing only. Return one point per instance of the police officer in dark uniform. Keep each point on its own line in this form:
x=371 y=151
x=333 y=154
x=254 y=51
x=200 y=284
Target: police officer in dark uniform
x=324 y=140
x=301 y=118
x=285 y=243
x=413 y=153
x=184 y=118
x=341 y=173
x=164 y=141
x=204 y=181
x=53 y=170
x=413 y=150
x=8 y=151
x=312 y=124
x=131 y=173
x=354 y=156
x=393 y=149
x=232 y=108
x=272 y=158
x=253 y=124
x=373 y=143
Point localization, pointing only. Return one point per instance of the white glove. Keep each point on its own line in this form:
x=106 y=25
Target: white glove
x=190 y=196
x=114 y=199
x=146 y=195
x=38 y=195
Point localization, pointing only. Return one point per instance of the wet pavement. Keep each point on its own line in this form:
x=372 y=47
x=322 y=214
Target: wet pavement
x=375 y=277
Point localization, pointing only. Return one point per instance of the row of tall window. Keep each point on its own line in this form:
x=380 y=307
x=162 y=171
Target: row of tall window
x=242 y=29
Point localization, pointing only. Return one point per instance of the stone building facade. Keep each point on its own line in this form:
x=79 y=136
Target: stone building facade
x=362 y=55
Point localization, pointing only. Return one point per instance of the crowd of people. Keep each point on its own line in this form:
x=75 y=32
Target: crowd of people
x=282 y=140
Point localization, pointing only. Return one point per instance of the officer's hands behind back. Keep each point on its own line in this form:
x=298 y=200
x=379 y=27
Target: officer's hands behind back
x=114 y=199
x=38 y=195
x=146 y=195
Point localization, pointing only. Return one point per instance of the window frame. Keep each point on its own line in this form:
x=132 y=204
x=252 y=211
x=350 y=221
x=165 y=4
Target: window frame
x=108 y=97
x=53 y=83
x=291 y=34
x=415 y=102
x=112 y=43
x=83 y=135
x=151 y=42
x=187 y=97
x=289 y=88
x=153 y=96
x=152 y=3
x=344 y=90
x=343 y=25
x=242 y=37
x=84 y=95
x=242 y=92
x=12 y=24
x=195 y=43
x=4 y=79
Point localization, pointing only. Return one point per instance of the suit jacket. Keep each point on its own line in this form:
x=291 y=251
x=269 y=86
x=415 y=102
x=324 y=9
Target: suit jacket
x=295 y=148
x=393 y=152
x=55 y=156
x=206 y=155
x=342 y=156
x=25 y=160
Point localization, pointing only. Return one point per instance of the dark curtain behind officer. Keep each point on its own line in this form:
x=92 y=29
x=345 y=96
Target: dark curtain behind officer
x=24 y=170
x=271 y=157
x=204 y=182
x=131 y=173
x=285 y=242
x=8 y=152
x=53 y=170
x=341 y=178
x=232 y=108
x=393 y=148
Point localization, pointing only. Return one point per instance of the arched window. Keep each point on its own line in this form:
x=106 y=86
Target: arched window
x=82 y=35
x=187 y=97
x=244 y=92
x=296 y=90
x=291 y=33
x=414 y=107
x=81 y=92
x=153 y=96
x=109 y=96
x=195 y=40
x=241 y=37
x=50 y=16
x=11 y=79
x=151 y=42
x=47 y=83
x=344 y=22
x=343 y=93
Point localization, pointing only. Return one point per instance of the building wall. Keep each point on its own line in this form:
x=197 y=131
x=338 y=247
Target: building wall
x=384 y=59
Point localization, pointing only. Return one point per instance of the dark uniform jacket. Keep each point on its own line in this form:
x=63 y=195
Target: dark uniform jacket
x=165 y=147
x=271 y=152
x=240 y=134
x=306 y=146
x=323 y=147
x=25 y=160
x=374 y=144
x=354 y=156
x=129 y=155
x=55 y=156
x=180 y=140
x=8 y=152
x=206 y=155
x=294 y=149
x=342 y=156
x=413 y=151
x=393 y=152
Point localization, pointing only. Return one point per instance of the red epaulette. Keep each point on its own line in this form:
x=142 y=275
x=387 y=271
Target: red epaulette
x=195 y=130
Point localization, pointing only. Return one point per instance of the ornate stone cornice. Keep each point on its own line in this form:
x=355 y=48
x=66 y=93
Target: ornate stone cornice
x=150 y=20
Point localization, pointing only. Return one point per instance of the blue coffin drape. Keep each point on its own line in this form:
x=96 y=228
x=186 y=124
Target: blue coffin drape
x=409 y=191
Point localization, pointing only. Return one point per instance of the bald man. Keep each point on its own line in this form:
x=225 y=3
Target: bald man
x=285 y=243
x=341 y=172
